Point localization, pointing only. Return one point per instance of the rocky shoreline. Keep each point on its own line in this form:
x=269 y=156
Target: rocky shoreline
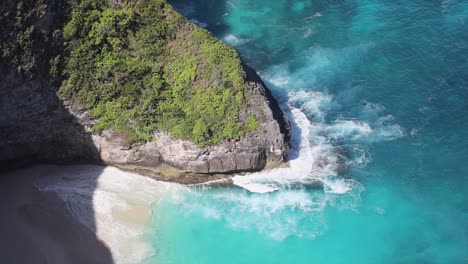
x=40 y=125
x=41 y=128
x=182 y=161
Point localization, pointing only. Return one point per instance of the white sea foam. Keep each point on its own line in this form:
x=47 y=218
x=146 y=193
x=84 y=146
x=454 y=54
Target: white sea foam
x=323 y=145
x=113 y=203
x=275 y=215
x=299 y=167
x=348 y=129
x=313 y=103
x=234 y=40
x=308 y=32
x=313 y=160
x=339 y=186
x=259 y=187
x=322 y=148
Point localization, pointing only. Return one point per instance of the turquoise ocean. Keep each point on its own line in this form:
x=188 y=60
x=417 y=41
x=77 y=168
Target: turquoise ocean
x=377 y=92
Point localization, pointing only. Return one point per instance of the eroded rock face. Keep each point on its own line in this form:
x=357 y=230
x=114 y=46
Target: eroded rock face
x=182 y=161
x=37 y=126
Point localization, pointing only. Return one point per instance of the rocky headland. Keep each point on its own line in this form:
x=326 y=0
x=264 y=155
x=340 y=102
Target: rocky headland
x=42 y=124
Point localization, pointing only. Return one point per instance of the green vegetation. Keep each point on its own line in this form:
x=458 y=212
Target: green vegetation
x=141 y=66
x=137 y=65
x=25 y=46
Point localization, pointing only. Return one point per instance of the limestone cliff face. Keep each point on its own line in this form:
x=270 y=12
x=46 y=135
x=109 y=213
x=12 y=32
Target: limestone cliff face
x=182 y=161
x=36 y=125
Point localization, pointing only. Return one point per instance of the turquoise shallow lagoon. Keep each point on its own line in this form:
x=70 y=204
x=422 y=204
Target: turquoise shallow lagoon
x=378 y=94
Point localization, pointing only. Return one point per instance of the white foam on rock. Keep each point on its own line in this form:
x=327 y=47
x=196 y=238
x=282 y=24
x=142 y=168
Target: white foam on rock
x=314 y=157
x=299 y=167
x=314 y=160
x=323 y=143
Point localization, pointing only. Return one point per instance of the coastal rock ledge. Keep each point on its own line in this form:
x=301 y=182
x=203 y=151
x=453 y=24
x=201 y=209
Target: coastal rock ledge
x=44 y=117
x=182 y=161
x=38 y=127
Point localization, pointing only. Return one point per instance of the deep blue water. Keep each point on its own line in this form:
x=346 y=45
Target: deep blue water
x=379 y=88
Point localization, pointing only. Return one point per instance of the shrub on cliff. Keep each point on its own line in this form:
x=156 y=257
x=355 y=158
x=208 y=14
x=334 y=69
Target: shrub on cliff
x=28 y=38
x=140 y=66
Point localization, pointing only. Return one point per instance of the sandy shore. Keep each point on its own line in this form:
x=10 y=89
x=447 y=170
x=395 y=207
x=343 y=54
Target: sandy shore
x=35 y=226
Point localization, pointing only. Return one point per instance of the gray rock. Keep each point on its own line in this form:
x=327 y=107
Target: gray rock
x=36 y=126
x=178 y=160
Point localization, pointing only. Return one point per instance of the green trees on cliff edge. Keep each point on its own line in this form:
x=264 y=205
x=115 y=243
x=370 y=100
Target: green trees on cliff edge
x=139 y=66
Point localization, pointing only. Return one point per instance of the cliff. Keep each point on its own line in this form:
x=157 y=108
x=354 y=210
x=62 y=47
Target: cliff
x=177 y=105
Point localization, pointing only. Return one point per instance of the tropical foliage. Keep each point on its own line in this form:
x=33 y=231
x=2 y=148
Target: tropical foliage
x=140 y=66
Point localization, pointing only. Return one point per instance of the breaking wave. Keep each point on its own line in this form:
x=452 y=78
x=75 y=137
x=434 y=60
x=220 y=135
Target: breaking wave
x=292 y=201
x=322 y=150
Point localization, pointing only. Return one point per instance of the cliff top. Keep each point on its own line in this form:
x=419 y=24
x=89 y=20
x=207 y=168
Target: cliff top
x=138 y=66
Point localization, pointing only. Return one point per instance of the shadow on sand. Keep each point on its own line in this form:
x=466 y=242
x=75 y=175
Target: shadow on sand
x=37 y=227
x=36 y=128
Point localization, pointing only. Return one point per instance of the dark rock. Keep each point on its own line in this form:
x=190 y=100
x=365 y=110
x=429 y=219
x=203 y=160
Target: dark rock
x=35 y=127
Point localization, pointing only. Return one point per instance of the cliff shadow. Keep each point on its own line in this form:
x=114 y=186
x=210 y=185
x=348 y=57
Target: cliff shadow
x=40 y=226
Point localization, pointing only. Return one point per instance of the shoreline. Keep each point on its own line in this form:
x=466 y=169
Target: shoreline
x=77 y=214
x=174 y=175
x=84 y=213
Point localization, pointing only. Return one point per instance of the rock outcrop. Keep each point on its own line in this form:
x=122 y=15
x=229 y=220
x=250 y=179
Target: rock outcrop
x=182 y=161
x=38 y=126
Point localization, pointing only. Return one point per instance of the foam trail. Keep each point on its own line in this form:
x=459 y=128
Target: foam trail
x=275 y=215
x=314 y=159
x=118 y=208
x=234 y=40
x=277 y=203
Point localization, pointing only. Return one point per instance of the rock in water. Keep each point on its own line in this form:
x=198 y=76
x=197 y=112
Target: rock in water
x=182 y=161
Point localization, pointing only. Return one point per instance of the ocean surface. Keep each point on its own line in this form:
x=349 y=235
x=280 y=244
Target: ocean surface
x=377 y=92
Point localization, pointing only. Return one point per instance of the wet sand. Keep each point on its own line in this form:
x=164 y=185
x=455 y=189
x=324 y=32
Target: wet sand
x=36 y=227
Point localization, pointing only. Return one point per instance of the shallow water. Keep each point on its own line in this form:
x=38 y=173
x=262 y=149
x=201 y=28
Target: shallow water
x=113 y=203
x=377 y=94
